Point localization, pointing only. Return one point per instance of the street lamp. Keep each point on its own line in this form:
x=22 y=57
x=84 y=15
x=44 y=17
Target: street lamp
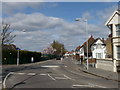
x=85 y=20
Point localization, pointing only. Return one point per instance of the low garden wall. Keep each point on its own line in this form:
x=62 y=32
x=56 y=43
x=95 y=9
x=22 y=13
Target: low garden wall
x=106 y=64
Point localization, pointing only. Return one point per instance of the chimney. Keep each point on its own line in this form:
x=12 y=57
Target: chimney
x=91 y=36
x=103 y=39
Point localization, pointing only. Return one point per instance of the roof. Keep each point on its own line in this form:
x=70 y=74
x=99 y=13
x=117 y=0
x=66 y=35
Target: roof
x=102 y=40
x=77 y=48
x=116 y=12
x=90 y=42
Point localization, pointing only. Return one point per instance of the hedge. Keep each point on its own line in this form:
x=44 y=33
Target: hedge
x=10 y=56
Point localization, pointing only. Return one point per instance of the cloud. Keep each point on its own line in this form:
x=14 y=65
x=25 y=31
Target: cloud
x=106 y=13
x=41 y=30
x=11 y=8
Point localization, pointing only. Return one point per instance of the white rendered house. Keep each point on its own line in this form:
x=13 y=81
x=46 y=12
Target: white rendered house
x=113 y=24
x=98 y=49
x=81 y=51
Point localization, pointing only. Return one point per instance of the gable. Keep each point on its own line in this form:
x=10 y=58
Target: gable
x=114 y=19
x=98 y=42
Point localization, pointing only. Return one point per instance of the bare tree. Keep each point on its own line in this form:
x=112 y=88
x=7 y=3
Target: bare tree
x=6 y=36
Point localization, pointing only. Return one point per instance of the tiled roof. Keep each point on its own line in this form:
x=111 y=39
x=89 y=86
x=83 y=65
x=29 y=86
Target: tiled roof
x=90 y=42
x=77 y=48
x=104 y=42
x=84 y=45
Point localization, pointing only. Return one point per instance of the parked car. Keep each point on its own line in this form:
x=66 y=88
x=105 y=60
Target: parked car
x=58 y=58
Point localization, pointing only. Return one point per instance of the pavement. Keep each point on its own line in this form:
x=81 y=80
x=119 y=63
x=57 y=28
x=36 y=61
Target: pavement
x=99 y=72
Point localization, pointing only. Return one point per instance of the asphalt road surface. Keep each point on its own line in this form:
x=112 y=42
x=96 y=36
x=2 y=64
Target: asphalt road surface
x=56 y=74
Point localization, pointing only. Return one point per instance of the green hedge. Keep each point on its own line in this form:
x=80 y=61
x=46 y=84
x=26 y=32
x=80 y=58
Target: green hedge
x=47 y=57
x=10 y=56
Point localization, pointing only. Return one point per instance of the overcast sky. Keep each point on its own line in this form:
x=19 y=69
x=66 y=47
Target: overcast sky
x=44 y=22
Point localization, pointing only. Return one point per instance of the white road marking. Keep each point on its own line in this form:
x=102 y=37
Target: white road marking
x=82 y=85
x=65 y=66
x=60 y=78
x=50 y=66
x=20 y=73
x=42 y=74
x=97 y=85
x=31 y=74
x=51 y=77
x=57 y=74
x=67 y=77
x=4 y=85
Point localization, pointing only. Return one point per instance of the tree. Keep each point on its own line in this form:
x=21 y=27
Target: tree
x=60 y=49
x=49 y=50
x=6 y=37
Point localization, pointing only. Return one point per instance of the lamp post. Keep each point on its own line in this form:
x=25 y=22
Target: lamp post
x=85 y=20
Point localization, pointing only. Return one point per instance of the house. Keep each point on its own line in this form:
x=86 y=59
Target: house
x=113 y=24
x=84 y=47
x=70 y=53
x=77 y=50
x=98 y=49
x=82 y=50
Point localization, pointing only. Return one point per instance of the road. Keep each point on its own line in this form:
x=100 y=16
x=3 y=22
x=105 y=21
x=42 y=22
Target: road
x=56 y=74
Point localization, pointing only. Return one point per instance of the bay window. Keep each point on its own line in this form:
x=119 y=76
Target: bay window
x=118 y=30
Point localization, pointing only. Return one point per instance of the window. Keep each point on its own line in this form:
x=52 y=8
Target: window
x=118 y=30
x=92 y=48
x=118 y=52
x=98 y=46
x=99 y=55
x=81 y=51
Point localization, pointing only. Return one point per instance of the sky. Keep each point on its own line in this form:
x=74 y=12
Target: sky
x=44 y=22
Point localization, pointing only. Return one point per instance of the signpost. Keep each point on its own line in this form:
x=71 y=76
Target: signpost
x=18 y=54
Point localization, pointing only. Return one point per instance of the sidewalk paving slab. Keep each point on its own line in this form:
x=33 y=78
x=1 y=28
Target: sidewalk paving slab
x=99 y=72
